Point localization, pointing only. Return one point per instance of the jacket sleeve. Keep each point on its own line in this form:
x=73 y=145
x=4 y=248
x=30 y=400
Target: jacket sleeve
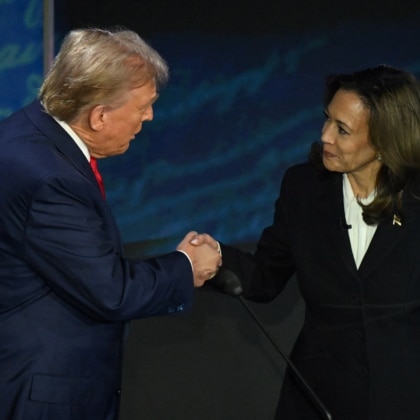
x=72 y=244
x=265 y=273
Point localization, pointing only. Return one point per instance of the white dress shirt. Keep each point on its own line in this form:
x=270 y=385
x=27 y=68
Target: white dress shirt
x=82 y=146
x=360 y=233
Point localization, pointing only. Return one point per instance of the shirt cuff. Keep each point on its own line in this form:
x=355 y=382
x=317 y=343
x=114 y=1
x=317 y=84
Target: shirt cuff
x=219 y=250
x=189 y=259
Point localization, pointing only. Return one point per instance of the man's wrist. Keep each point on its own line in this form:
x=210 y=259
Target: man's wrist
x=189 y=259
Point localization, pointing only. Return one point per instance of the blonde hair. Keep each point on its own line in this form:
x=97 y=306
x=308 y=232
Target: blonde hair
x=96 y=66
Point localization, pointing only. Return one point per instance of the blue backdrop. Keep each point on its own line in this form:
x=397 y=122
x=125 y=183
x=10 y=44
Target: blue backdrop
x=240 y=107
x=20 y=53
x=236 y=113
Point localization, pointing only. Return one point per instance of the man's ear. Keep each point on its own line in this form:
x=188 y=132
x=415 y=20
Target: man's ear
x=96 y=117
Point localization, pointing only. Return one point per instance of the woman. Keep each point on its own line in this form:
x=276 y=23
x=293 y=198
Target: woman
x=347 y=223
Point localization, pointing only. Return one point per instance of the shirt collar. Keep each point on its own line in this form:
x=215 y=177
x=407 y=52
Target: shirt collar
x=349 y=195
x=82 y=146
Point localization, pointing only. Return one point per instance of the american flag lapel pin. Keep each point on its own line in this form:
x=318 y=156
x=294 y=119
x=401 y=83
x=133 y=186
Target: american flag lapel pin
x=396 y=220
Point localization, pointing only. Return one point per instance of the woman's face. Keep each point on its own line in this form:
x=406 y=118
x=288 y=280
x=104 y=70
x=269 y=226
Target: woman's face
x=345 y=136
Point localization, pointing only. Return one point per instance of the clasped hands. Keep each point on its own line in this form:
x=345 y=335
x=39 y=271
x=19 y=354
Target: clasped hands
x=204 y=253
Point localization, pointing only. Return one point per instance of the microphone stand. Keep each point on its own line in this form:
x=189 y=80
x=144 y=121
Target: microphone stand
x=232 y=286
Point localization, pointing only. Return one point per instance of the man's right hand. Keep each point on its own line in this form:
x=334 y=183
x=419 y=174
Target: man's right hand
x=206 y=259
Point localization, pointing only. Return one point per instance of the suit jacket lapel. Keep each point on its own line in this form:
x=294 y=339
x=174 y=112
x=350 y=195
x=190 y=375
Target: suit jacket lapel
x=68 y=149
x=334 y=221
x=386 y=238
x=389 y=234
x=59 y=139
x=329 y=207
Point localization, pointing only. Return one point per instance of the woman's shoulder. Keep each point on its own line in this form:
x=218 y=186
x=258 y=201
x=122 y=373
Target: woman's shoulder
x=308 y=172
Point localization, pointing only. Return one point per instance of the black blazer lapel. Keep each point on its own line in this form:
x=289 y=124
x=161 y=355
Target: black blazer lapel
x=389 y=233
x=331 y=211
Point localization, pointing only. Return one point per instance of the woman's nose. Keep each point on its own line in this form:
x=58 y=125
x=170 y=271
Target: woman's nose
x=326 y=133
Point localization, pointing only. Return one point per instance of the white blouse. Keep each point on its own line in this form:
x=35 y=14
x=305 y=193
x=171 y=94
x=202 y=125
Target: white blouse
x=360 y=233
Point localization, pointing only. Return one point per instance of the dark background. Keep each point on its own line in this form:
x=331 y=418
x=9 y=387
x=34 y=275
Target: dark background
x=240 y=17
x=243 y=103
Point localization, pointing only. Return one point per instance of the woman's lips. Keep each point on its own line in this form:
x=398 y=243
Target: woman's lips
x=328 y=154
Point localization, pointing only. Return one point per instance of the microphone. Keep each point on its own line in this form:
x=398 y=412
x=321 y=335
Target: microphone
x=344 y=225
x=229 y=282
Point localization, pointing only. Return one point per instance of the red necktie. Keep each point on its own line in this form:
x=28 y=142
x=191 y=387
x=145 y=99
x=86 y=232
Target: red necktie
x=98 y=175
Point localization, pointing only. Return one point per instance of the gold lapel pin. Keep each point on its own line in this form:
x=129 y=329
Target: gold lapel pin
x=396 y=220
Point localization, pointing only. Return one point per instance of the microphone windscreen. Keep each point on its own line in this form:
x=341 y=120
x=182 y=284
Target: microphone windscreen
x=229 y=282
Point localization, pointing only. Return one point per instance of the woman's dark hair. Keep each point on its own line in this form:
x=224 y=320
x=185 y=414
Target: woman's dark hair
x=392 y=97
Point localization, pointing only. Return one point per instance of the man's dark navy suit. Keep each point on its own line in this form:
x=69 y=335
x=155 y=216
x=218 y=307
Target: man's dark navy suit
x=66 y=291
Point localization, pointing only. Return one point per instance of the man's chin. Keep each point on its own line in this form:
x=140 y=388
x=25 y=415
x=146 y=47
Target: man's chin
x=122 y=150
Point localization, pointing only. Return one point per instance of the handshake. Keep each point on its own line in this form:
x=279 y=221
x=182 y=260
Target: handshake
x=204 y=254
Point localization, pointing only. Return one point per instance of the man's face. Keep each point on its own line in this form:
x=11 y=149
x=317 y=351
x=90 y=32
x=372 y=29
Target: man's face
x=121 y=124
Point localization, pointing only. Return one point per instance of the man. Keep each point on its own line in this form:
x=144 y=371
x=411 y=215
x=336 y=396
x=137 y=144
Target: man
x=66 y=291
